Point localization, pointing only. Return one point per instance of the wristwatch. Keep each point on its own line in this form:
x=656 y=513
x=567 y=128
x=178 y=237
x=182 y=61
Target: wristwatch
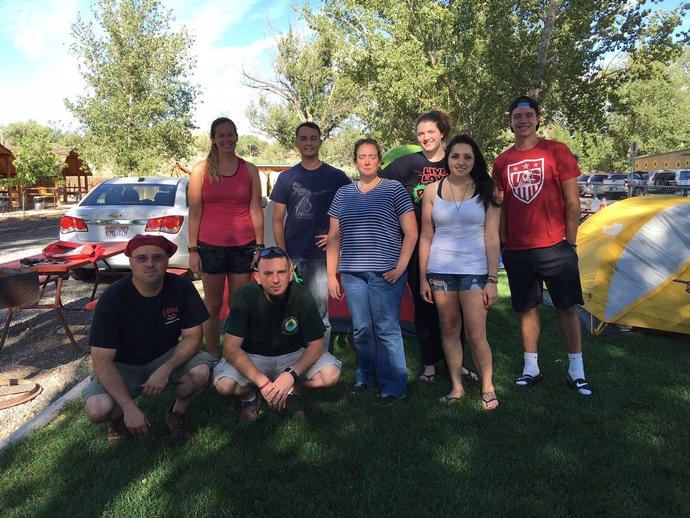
x=293 y=373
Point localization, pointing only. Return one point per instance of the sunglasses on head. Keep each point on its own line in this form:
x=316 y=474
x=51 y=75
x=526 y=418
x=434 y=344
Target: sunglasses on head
x=272 y=250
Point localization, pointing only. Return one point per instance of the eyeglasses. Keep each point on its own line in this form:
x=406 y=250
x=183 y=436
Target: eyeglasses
x=272 y=250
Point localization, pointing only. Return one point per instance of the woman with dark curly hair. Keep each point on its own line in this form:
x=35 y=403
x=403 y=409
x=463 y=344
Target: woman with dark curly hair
x=458 y=260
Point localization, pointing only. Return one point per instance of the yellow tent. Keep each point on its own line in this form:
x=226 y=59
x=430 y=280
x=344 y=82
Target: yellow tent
x=635 y=263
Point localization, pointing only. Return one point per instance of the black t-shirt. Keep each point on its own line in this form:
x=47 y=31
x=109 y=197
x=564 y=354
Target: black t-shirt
x=143 y=328
x=414 y=171
x=274 y=328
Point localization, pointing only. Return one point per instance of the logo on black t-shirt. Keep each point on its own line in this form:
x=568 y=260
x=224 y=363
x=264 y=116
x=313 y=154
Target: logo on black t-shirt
x=290 y=325
x=170 y=315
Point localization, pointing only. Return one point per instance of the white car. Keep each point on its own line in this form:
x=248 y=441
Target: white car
x=120 y=208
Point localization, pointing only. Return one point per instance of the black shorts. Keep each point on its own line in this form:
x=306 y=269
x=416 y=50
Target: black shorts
x=226 y=259
x=554 y=265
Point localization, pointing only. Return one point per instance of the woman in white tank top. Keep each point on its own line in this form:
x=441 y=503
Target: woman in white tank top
x=458 y=260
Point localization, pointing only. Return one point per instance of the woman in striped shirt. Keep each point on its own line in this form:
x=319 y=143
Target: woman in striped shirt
x=372 y=235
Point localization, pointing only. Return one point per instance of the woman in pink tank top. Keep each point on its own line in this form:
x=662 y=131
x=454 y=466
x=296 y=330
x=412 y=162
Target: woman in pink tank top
x=226 y=223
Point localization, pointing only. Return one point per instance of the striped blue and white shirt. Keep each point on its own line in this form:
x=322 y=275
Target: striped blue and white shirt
x=370 y=234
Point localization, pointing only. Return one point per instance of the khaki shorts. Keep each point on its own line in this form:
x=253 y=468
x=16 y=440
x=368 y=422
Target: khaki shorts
x=135 y=376
x=273 y=366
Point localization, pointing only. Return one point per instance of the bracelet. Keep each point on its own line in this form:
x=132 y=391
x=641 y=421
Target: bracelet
x=264 y=385
x=259 y=246
x=492 y=280
x=191 y=249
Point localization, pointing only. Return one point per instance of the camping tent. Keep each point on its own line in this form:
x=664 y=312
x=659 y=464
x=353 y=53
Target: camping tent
x=635 y=263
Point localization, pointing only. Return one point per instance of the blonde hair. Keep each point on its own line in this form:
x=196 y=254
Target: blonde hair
x=212 y=158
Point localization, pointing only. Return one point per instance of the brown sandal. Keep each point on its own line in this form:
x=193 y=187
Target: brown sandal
x=487 y=399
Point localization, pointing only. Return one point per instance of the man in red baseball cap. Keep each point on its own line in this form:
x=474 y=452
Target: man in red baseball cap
x=146 y=333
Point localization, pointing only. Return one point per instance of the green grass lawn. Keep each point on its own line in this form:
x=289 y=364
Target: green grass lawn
x=545 y=452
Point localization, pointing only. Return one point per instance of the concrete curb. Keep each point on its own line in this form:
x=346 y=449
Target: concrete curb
x=46 y=415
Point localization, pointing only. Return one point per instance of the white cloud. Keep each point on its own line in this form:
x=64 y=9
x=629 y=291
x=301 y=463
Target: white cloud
x=35 y=36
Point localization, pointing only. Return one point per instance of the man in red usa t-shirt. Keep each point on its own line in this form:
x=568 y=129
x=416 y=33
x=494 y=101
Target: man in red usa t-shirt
x=537 y=179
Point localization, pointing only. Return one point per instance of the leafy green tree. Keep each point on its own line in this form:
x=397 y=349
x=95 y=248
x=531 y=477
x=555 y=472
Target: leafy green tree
x=308 y=87
x=35 y=162
x=471 y=57
x=137 y=108
x=13 y=133
x=250 y=145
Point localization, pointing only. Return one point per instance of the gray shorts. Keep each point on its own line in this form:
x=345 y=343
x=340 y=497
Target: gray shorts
x=273 y=366
x=135 y=376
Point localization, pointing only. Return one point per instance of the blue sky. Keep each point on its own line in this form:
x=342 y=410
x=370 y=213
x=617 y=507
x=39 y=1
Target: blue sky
x=38 y=72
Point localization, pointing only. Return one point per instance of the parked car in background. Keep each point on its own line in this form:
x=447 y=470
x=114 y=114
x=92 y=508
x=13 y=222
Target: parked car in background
x=595 y=184
x=662 y=182
x=120 y=208
x=614 y=185
x=683 y=181
x=636 y=182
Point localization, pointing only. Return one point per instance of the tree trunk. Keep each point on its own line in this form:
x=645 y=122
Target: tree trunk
x=538 y=73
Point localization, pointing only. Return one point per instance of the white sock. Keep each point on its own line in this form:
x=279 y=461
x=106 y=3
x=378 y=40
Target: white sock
x=576 y=370
x=250 y=398
x=531 y=364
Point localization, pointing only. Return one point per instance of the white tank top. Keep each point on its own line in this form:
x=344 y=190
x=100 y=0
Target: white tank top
x=458 y=245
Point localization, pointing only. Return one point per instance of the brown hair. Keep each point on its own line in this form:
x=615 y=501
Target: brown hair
x=212 y=158
x=442 y=120
x=363 y=141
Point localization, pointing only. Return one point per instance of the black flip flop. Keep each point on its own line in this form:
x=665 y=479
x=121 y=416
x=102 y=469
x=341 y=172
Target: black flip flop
x=527 y=380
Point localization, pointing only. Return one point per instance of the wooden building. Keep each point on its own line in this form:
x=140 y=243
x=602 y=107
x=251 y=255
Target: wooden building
x=76 y=177
x=7 y=169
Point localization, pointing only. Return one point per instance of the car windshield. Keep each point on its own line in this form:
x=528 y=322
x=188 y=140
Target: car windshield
x=131 y=194
x=684 y=175
x=597 y=178
x=618 y=177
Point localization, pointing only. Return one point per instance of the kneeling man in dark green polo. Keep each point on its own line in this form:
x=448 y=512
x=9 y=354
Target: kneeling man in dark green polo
x=273 y=342
x=146 y=333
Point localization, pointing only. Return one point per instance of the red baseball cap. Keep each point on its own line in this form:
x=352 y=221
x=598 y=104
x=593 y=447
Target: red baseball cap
x=142 y=240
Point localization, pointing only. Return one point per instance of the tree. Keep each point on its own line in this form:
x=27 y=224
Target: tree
x=34 y=161
x=137 y=108
x=250 y=146
x=471 y=57
x=308 y=87
x=13 y=133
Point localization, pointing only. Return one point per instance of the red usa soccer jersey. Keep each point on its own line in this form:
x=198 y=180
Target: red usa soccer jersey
x=533 y=201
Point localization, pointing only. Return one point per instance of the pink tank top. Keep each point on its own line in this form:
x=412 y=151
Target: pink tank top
x=225 y=219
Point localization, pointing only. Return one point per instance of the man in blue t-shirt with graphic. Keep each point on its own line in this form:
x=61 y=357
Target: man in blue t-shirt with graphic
x=301 y=197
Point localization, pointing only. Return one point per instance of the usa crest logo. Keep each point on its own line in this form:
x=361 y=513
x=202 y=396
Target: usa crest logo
x=526 y=178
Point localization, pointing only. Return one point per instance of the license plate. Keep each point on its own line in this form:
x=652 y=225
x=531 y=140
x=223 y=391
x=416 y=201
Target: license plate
x=116 y=230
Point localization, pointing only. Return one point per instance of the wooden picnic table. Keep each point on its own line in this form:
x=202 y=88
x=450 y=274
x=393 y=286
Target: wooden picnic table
x=57 y=271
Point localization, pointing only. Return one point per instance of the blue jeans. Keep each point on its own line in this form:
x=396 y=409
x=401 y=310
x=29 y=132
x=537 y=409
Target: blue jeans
x=375 y=308
x=315 y=279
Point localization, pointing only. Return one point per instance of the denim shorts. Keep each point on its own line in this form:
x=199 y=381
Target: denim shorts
x=456 y=282
x=226 y=259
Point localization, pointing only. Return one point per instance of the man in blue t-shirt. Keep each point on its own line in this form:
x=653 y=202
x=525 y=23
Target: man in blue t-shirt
x=301 y=197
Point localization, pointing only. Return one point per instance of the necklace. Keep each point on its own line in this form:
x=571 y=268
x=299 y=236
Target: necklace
x=462 y=199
